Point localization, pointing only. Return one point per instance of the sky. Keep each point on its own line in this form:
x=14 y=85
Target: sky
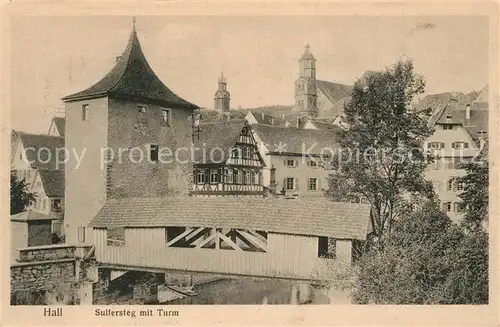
x=55 y=56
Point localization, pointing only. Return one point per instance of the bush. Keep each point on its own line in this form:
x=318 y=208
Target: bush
x=426 y=260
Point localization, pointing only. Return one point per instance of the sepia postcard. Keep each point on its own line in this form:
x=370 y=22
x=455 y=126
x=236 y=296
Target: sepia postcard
x=257 y=163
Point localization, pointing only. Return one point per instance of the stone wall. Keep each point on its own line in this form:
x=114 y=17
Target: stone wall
x=48 y=275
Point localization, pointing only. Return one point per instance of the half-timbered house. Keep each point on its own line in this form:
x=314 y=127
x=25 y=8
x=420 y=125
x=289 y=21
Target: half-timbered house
x=226 y=160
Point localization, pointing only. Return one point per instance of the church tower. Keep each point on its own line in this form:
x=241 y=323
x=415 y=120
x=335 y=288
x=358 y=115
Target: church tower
x=118 y=126
x=222 y=98
x=305 y=86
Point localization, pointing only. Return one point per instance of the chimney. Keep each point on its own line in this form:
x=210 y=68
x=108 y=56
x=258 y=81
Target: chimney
x=272 y=121
x=262 y=115
x=283 y=116
x=118 y=58
x=467 y=112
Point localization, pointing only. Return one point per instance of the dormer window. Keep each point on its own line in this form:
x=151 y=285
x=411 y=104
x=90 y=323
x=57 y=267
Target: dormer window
x=142 y=109
x=165 y=116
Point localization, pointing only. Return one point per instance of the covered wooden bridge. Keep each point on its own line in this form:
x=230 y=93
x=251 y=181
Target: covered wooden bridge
x=300 y=239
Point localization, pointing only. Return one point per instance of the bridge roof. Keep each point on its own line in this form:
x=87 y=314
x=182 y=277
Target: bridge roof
x=318 y=217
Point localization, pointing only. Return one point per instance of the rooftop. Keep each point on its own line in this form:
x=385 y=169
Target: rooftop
x=132 y=77
x=53 y=182
x=294 y=140
x=45 y=159
x=318 y=217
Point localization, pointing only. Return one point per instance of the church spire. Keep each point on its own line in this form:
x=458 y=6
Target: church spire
x=222 y=97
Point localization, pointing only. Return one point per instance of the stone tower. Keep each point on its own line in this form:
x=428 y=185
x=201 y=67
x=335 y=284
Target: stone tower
x=222 y=98
x=130 y=111
x=305 y=86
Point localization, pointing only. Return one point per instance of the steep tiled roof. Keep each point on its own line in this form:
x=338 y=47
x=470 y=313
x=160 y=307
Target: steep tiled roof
x=53 y=182
x=133 y=77
x=338 y=107
x=334 y=91
x=294 y=140
x=482 y=100
x=440 y=99
x=319 y=217
x=323 y=125
x=220 y=135
x=14 y=138
x=31 y=215
x=267 y=119
x=60 y=123
x=41 y=150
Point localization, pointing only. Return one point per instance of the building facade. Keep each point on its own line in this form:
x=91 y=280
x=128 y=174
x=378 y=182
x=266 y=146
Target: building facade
x=294 y=158
x=129 y=124
x=460 y=131
x=227 y=160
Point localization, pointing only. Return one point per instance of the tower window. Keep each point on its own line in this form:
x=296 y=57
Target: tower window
x=85 y=112
x=165 y=116
x=153 y=152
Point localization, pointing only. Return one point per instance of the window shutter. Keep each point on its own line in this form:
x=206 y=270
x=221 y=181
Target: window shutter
x=296 y=184
x=295 y=163
x=284 y=163
x=284 y=183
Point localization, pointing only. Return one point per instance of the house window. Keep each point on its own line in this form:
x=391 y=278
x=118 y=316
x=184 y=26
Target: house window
x=142 y=109
x=201 y=177
x=56 y=205
x=85 y=112
x=237 y=176
x=229 y=175
x=290 y=163
x=460 y=185
x=81 y=234
x=460 y=145
x=236 y=153
x=44 y=204
x=246 y=152
x=301 y=104
x=115 y=236
x=153 y=152
x=246 y=177
x=312 y=163
x=448 y=127
x=290 y=183
x=313 y=184
x=435 y=145
x=447 y=206
x=252 y=177
x=213 y=176
x=326 y=247
x=165 y=115
x=449 y=184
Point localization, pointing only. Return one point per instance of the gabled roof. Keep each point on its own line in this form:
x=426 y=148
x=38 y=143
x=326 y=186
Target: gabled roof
x=221 y=136
x=338 y=107
x=132 y=77
x=32 y=215
x=53 y=182
x=41 y=150
x=334 y=91
x=267 y=119
x=60 y=123
x=324 y=125
x=323 y=217
x=297 y=141
x=440 y=99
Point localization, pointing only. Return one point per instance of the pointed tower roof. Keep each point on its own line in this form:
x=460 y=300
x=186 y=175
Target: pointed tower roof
x=132 y=78
x=307 y=55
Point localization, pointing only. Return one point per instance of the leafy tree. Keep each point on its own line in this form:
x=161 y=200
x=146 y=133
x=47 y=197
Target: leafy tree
x=20 y=197
x=475 y=194
x=380 y=161
x=426 y=260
